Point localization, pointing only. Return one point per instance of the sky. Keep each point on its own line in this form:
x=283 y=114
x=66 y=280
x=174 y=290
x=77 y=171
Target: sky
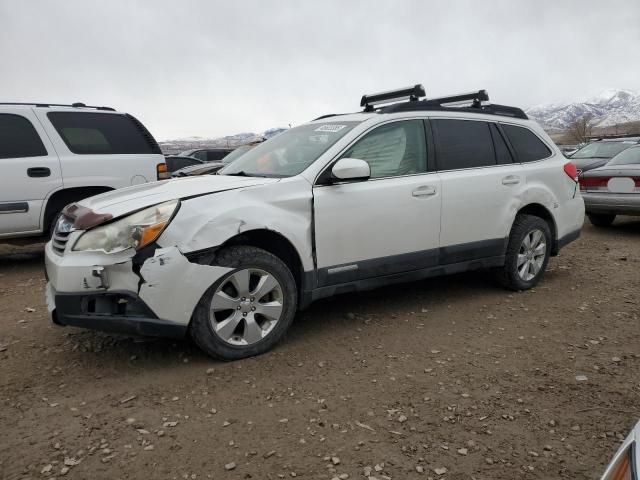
x=212 y=68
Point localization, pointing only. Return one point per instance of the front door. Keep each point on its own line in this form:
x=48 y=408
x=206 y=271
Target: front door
x=387 y=224
x=30 y=172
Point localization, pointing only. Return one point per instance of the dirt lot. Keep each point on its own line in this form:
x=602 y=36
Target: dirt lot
x=403 y=382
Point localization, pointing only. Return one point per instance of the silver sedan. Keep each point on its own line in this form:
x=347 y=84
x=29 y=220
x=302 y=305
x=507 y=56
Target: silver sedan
x=613 y=189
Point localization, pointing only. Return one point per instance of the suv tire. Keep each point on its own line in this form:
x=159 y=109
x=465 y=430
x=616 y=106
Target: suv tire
x=601 y=219
x=527 y=254
x=224 y=324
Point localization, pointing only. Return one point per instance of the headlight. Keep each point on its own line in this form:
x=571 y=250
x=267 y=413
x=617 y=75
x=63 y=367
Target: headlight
x=134 y=231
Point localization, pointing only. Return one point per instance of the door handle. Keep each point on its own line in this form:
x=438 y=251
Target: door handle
x=424 y=191
x=511 y=180
x=38 y=172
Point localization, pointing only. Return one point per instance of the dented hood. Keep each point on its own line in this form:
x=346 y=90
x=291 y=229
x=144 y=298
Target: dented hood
x=129 y=199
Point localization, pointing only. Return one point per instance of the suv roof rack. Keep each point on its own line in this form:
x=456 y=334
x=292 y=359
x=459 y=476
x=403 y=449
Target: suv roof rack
x=465 y=102
x=410 y=93
x=74 y=105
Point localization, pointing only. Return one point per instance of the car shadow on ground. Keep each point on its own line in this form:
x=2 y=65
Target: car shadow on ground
x=319 y=323
x=626 y=226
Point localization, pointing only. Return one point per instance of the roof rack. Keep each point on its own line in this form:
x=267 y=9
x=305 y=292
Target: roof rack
x=410 y=93
x=466 y=102
x=45 y=105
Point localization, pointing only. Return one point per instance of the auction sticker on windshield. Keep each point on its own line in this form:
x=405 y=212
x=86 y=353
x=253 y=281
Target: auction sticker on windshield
x=330 y=127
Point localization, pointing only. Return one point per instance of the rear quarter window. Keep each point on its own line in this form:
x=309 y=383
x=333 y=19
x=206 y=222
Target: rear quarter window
x=526 y=144
x=87 y=133
x=18 y=138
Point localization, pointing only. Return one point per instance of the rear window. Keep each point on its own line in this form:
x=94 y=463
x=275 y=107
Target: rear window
x=631 y=156
x=103 y=133
x=214 y=155
x=527 y=145
x=463 y=144
x=18 y=138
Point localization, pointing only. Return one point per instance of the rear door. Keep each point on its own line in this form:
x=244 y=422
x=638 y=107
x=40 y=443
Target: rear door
x=480 y=188
x=29 y=171
x=387 y=224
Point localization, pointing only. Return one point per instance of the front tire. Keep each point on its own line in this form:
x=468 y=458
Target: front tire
x=247 y=311
x=527 y=254
x=601 y=219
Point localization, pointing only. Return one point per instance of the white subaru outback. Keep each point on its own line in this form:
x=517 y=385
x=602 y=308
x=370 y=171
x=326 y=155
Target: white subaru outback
x=405 y=190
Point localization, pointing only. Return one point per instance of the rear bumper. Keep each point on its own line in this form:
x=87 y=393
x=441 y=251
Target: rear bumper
x=614 y=203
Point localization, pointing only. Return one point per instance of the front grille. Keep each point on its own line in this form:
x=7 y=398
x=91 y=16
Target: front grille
x=64 y=227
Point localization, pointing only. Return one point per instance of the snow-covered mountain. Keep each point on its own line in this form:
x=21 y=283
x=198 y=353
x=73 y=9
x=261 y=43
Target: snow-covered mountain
x=609 y=107
x=189 y=143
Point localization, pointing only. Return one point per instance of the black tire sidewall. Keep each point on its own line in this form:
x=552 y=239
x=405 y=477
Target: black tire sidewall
x=601 y=219
x=522 y=227
x=239 y=258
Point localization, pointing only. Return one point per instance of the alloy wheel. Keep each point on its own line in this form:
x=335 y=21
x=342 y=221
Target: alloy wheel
x=531 y=255
x=246 y=307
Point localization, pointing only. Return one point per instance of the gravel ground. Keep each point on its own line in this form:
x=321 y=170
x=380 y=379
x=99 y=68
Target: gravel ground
x=449 y=378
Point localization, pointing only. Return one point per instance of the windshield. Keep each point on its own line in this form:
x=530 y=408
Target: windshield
x=601 y=150
x=290 y=152
x=628 y=157
x=236 y=153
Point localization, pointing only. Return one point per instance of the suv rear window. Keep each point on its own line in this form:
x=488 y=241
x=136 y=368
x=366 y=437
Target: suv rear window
x=103 y=133
x=463 y=144
x=527 y=145
x=18 y=138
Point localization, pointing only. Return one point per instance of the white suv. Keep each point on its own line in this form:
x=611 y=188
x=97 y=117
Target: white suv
x=52 y=155
x=344 y=203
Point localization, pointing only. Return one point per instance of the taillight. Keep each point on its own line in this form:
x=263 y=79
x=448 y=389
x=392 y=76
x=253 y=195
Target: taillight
x=162 y=172
x=571 y=170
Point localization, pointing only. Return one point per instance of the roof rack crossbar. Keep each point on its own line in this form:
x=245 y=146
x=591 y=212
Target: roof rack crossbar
x=409 y=93
x=476 y=98
x=45 y=105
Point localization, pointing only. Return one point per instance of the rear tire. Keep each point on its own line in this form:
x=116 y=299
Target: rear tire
x=601 y=219
x=527 y=254
x=224 y=324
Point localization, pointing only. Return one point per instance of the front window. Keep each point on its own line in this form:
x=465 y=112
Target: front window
x=393 y=149
x=601 y=150
x=630 y=156
x=291 y=152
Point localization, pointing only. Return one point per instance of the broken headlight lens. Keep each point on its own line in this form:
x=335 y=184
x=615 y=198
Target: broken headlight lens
x=134 y=231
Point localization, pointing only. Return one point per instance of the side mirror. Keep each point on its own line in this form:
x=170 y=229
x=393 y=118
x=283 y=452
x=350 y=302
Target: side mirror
x=351 y=169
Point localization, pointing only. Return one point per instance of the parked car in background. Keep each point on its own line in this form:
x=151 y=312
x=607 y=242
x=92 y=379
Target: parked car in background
x=52 y=155
x=569 y=150
x=175 y=162
x=613 y=189
x=208 y=168
x=625 y=464
x=599 y=152
x=344 y=203
x=207 y=154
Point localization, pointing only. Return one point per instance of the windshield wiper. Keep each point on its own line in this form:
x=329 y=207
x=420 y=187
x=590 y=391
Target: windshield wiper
x=241 y=173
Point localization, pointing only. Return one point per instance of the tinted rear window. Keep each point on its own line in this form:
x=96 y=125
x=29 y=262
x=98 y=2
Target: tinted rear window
x=102 y=133
x=213 y=155
x=527 y=145
x=18 y=138
x=463 y=144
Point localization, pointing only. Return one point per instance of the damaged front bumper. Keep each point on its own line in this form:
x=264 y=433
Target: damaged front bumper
x=118 y=293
